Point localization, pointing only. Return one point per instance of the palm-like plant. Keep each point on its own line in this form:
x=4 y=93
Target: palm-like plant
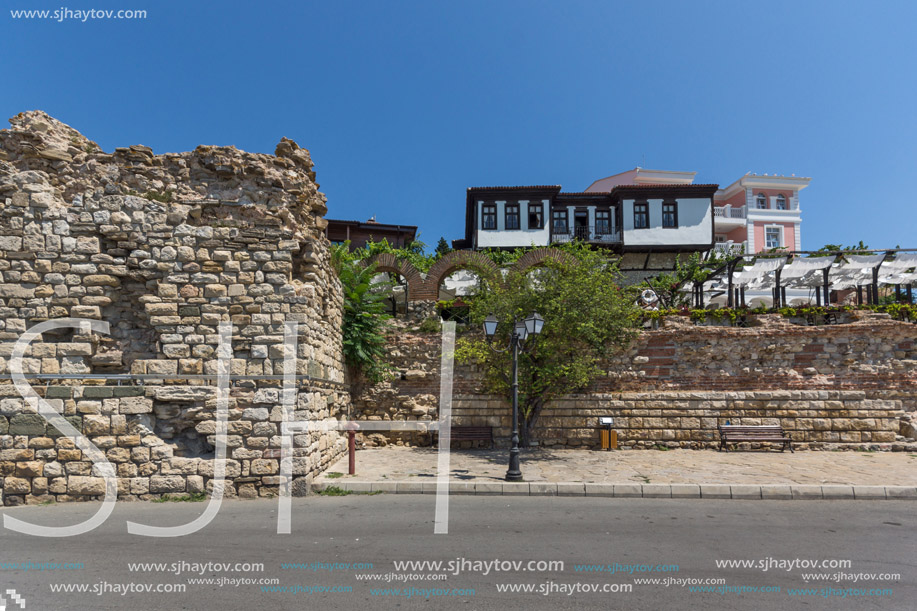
x=364 y=321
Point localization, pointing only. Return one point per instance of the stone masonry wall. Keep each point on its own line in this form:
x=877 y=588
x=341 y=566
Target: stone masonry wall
x=164 y=248
x=837 y=386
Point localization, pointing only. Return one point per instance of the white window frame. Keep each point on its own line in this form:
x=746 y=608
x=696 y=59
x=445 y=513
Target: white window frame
x=758 y=205
x=780 y=234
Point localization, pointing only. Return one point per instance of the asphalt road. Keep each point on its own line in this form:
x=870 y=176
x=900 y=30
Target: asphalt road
x=875 y=537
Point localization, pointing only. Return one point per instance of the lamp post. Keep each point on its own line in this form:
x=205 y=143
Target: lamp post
x=521 y=330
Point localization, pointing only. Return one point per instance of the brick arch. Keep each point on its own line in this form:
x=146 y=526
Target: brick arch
x=455 y=260
x=537 y=257
x=387 y=262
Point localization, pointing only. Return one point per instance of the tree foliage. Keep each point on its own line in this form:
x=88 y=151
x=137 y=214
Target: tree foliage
x=670 y=286
x=859 y=249
x=442 y=247
x=365 y=321
x=413 y=252
x=587 y=317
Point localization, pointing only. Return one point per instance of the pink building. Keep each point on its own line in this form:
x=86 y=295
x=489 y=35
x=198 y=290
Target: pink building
x=755 y=213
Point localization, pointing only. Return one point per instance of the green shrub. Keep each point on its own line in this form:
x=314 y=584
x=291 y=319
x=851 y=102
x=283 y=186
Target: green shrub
x=431 y=324
x=365 y=321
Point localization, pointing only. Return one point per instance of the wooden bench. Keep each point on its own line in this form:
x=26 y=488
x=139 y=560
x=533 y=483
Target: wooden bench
x=734 y=433
x=472 y=433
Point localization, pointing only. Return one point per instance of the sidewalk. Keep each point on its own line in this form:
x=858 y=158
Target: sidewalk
x=637 y=473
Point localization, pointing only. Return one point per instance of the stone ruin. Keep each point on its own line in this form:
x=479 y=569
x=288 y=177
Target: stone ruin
x=164 y=248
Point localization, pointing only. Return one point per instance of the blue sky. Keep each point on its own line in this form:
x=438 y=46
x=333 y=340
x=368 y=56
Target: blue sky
x=404 y=105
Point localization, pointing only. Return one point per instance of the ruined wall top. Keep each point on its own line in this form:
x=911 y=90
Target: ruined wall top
x=164 y=247
x=57 y=164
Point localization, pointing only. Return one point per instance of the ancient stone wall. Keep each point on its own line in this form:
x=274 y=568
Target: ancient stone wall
x=163 y=248
x=836 y=386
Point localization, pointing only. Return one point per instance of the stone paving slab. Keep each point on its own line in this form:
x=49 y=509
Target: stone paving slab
x=704 y=474
x=644 y=466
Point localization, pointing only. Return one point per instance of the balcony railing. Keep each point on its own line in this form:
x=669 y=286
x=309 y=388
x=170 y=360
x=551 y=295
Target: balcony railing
x=728 y=212
x=730 y=248
x=597 y=234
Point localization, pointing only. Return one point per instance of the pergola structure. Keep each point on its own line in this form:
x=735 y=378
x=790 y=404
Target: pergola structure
x=817 y=272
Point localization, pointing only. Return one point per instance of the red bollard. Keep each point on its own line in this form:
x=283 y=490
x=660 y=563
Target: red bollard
x=351 y=452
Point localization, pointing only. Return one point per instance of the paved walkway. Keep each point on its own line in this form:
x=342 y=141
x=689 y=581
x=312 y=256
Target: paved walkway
x=399 y=464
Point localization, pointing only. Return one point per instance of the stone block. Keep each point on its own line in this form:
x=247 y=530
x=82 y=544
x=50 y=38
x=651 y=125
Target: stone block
x=98 y=392
x=101 y=280
x=140 y=485
x=775 y=492
x=600 y=489
x=31 y=468
x=135 y=405
x=869 y=492
x=543 y=489
x=685 y=491
x=409 y=488
x=461 y=488
x=489 y=488
x=256 y=413
x=806 y=492
x=571 y=489
x=657 y=491
x=127 y=391
x=75 y=421
x=837 y=492
x=85 y=311
x=10 y=243
x=161 y=367
x=27 y=424
x=161 y=309
x=180 y=466
x=96 y=425
x=516 y=489
x=85 y=486
x=265 y=467
x=16 y=485
x=58 y=392
x=745 y=491
x=181 y=394
x=214 y=290
x=167 y=483
x=195 y=484
x=715 y=491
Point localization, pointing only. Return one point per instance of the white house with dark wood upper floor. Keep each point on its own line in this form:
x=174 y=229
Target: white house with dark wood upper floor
x=626 y=218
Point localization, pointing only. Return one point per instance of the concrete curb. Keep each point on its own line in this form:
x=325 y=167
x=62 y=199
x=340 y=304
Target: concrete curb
x=647 y=491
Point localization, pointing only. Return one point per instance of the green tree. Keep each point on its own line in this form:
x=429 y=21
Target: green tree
x=413 y=252
x=442 y=247
x=859 y=249
x=587 y=318
x=365 y=321
x=671 y=287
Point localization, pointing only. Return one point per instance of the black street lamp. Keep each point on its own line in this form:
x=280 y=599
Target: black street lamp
x=521 y=330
